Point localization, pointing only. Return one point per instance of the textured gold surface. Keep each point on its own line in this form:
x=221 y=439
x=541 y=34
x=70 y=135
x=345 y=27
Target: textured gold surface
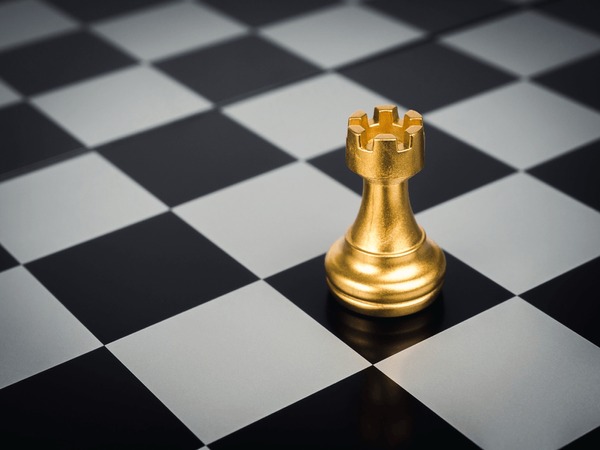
x=385 y=265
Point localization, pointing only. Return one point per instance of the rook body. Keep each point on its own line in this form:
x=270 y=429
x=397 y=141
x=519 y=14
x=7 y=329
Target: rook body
x=385 y=265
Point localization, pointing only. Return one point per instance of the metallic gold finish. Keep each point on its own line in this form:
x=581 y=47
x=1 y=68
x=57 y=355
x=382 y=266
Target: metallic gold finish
x=385 y=265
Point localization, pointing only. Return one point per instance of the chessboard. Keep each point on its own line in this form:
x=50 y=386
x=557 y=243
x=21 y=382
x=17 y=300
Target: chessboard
x=172 y=174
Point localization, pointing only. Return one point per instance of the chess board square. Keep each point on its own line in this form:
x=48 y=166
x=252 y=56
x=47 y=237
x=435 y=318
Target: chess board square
x=261 y=12
x=465 y=293
x=567 y=299
x=92 y=10
x=314 y=115
x=510 y=44
x=118 y=104
x=333 y=163
x=449 y=163
x=165 y=30
x=589 y=440
x=331 y=42
x=21 y=147
x=194 y=156
x=439 y=15
x=67 y=203
x=472 y=376
x=89 y=402
x=7 y=95
x=236 y=68
x=26 y=21
x=6 y=260
x=276 y=220
x=517 y=231
x=584 y=185
x=581 y=12
x=421 y=87
x=511 y=123
x=577 y=81
x=36 y=330
x=144 y=273
x=87 y=56
x=365 y=410
x=228 y=345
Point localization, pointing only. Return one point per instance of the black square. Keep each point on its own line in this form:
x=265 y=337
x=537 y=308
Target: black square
x=194 y=156
x=364 y=411
x=439 y=15
x=139 y=275
x=578 y=81
x=6 y=260
x=580 y=12
x=572 y=299
x=62 y=60
x=466 y=293
x=452 y=168
x=90 y=10
x=426 y=76
x=28 y=137
x=92 y=401
x=587 y=441
x=236 y=68
x=261 y=12
x=575 y=173
x=333 y=163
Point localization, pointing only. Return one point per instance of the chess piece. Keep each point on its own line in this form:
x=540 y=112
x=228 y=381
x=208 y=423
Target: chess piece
x=385 y=265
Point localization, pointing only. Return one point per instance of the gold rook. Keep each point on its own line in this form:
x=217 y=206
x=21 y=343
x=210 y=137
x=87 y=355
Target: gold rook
x=385 y=265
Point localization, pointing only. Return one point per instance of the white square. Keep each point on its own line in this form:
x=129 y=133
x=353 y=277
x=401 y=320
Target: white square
x=120 y=103
x=525 y=43
x=340 y=34
x=24 y=21
x=521 y=124
x=36 y=331
x=7 y=95
x=306 y=118
x=510 y=377
x=277 y=220
x=68 y=203
x=234 y=360
x=159 y=32
x=517 y=231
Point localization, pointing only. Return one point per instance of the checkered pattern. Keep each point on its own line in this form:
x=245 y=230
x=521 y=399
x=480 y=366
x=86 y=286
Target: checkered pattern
x=172 y=173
